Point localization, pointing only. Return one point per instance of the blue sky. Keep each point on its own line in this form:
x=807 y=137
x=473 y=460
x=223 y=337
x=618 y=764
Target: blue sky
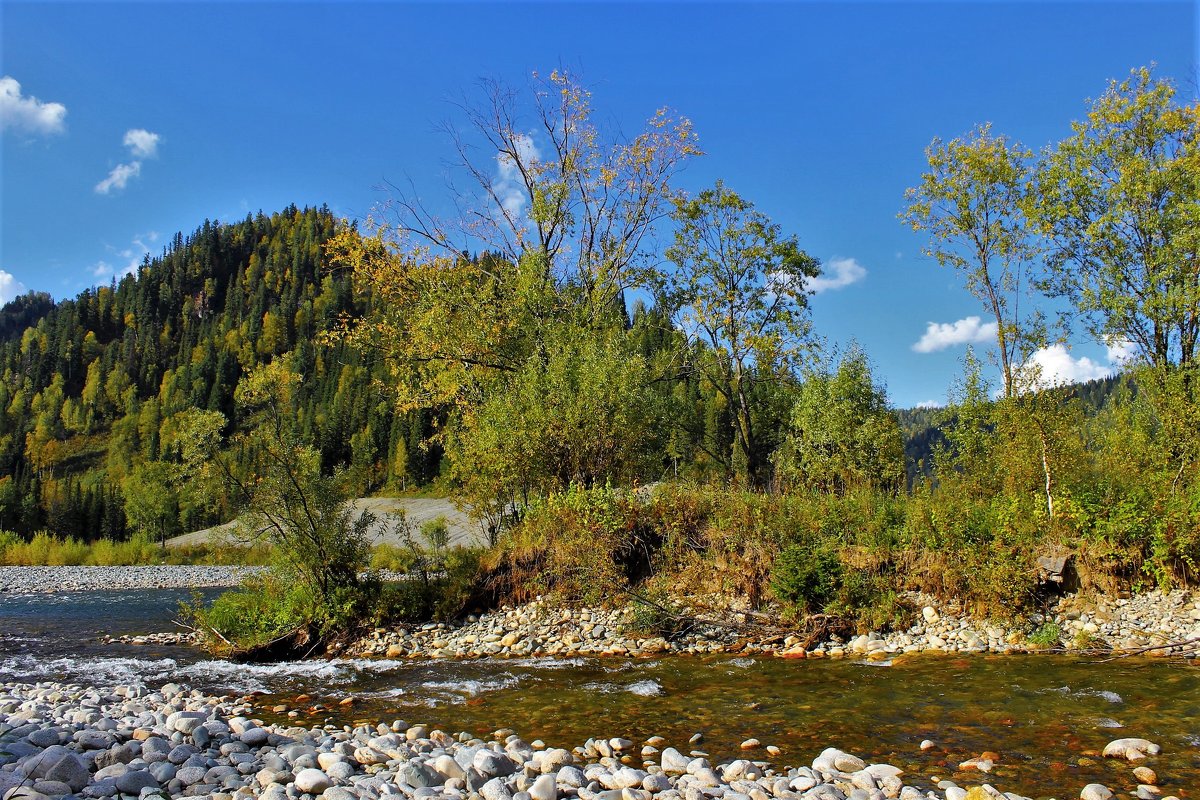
x=127 y=122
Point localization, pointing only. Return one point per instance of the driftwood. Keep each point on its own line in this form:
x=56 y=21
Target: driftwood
x=1189 y=647
x=694 y=620
x=286 y=646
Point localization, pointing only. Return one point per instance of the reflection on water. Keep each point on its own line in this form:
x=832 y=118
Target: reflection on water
x=1041 y=714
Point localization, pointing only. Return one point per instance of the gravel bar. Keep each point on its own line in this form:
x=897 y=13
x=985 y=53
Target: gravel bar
x=31 y=580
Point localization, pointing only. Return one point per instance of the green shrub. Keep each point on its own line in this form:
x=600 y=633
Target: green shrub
x=1047 y=635
x=263 y=609
x=393 y=558
x=806 y=579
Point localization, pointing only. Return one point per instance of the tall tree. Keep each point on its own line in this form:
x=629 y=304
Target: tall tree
x=1120 y=203
x=971 y=204
x=544 y=180
x=738 y=288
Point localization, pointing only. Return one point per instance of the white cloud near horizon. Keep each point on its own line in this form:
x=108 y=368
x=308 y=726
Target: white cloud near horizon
x=10 y=287
x=941 y=335
x=27 y=113
x=1055 y=366
x=142 y=144
x=1120 y=352
x=131 y=257
x=931 y=404
x=838 y=273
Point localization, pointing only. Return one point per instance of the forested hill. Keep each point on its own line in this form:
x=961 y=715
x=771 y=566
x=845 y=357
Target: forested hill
x=89 y=386
x=923 y=428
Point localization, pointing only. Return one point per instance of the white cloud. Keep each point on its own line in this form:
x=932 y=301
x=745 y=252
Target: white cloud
x=10 y=287
x=142 y=143
x=508 y=186
x=941 y=335
x=27 y=113
x=130 y=258
x=837 y=274
x=1055 y=366
x=1120 y=352
x=930 y=404
x=119 y=177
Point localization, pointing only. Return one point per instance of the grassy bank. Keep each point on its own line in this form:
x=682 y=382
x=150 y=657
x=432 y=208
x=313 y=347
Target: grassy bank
x=846 y=555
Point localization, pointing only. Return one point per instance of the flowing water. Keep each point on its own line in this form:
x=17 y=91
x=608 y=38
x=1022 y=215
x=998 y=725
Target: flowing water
x=1047 y=717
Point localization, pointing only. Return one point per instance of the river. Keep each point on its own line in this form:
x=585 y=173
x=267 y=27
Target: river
x=1046 y=716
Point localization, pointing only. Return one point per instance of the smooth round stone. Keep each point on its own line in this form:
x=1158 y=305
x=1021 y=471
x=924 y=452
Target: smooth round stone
x=255 y=737
x=1145 y=775
x=312 y=781
x=544 y=788
x=133 y=782
x=1095 y=791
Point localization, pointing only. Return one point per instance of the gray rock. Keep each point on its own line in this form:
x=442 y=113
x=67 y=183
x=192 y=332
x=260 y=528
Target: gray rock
x=474 y=780
x=181 y=754
x=418 y=775
x=219 y=773
x=495 y=789
x=656 y=783
x=57 y=763
x=163 y=771
x=90 y=739
x=342 y=771
x=492 y=764
x=44 y=737
x=1096 y=791
x=255 y=737
x=190 y=775
x=339 y=793
x=113 y=771
x=24 y=793
x=52 y=788
x=571 y=776
x=134 y=781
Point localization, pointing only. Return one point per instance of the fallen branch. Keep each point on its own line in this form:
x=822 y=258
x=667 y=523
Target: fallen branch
x=1189 y=646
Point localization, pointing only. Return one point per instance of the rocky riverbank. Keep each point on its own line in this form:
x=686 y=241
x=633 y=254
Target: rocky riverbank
x=126 y=742
x=1151 y=620
x=29 y=580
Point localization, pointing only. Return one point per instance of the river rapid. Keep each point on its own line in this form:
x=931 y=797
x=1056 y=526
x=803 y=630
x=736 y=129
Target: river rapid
x=1048 y=717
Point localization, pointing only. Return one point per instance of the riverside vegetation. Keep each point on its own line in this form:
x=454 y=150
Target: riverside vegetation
x=521 y=380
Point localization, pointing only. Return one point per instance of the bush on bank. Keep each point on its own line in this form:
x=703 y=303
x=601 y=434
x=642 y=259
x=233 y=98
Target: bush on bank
x=47 y=549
